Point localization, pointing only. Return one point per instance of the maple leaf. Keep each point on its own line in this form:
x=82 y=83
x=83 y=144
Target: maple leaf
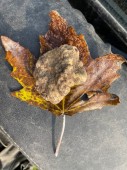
x=23 y=63
x=101 y=72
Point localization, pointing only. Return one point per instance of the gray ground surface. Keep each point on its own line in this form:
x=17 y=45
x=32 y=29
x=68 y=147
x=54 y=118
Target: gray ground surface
x=95 y=140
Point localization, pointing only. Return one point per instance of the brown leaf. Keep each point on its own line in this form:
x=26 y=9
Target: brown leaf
x=101 y=72
x=44 y=46
x=23 y=64
x=96 y=100
x=60 y=33
x=21 y=60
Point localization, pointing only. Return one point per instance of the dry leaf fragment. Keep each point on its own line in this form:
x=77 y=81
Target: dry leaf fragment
x=60 y=33
x=21 y=60
x=96 y=100
x=101 y=73
x=44 y=46
x=23 y=63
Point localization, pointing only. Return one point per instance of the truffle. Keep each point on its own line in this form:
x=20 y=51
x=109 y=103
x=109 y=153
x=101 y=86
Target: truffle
x=57 y=71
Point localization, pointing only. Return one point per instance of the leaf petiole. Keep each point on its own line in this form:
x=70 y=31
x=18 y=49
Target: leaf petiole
x=61 y=136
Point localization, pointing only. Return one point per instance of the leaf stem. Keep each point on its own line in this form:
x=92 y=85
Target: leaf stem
x=61 y=136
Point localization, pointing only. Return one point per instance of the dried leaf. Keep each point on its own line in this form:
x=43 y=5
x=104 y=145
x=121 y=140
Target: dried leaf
x=21 y=60
x=23 y=63
x=44 y=46
x=60 y=33
x=96 y=100
x=101 y=72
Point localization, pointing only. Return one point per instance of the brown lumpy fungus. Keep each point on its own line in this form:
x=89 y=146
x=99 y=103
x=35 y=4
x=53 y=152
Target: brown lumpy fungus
x=57 y=71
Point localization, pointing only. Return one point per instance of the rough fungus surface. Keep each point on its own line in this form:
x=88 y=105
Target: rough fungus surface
x=101 y=72
x=57 y=71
